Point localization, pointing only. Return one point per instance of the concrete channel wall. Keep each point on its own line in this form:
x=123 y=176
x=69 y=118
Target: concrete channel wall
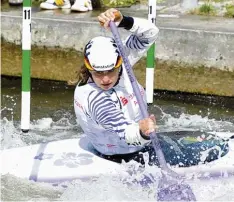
x=197 y=47
x=194 y=46
x=188 y=41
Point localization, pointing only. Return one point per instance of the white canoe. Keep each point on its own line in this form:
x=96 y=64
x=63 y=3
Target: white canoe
x=70 y=159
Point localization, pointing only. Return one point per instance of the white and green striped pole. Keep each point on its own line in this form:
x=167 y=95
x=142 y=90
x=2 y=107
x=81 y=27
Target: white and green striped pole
x=150 y=61
x=26 y=66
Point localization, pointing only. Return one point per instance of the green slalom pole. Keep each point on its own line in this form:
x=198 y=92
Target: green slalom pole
x=150 y=61
x=26 y=66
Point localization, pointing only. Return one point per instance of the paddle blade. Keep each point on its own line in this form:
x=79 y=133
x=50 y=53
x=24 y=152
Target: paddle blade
x=174 y=190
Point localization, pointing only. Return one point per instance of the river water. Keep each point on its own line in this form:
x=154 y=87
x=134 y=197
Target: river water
x=52 y=118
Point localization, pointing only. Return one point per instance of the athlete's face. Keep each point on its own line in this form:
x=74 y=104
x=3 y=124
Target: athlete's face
x=105 y=79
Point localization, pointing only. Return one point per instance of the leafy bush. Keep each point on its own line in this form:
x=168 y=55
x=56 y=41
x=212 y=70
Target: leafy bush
x=207 y=8
x=230 y=10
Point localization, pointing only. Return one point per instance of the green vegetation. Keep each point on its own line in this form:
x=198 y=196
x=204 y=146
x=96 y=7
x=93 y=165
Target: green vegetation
x=146 y=1
x=217 y=1
x=230 y=10
x=209 y=8
x=37 y=2
x=115 y=3
x=205 y=9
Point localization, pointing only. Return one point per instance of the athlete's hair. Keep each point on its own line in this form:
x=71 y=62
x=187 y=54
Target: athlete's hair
x=82 y=76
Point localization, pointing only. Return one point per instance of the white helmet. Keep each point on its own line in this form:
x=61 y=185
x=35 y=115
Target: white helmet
x=101 y=54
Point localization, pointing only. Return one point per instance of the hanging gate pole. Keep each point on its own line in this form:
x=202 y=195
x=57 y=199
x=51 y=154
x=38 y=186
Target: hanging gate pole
x=26 y=66
x=150 y=61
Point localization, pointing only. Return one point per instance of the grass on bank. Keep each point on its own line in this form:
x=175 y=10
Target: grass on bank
x=230 y=11
x=209 y=9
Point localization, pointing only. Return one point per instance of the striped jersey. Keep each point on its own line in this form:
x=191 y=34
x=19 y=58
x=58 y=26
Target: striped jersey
x=107 y=116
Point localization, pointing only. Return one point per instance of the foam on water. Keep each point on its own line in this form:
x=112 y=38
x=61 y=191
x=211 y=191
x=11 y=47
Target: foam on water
x=41 y=130
x=187 y=121
x=10 y=136
x=106 y=189
x=17 y=189
x=127 y=186
x=220 y=190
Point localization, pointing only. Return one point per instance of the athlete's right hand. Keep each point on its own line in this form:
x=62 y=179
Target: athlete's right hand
x=147 y=125
x=111 y=14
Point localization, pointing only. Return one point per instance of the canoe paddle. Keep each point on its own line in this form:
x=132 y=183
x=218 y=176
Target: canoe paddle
x=171 y=186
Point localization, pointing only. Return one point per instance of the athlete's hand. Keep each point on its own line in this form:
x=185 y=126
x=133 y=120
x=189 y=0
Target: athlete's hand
x=111 y=14
x=148 y=125
x=59 y=2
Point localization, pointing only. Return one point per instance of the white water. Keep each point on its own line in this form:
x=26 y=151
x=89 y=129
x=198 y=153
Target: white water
x=105 y=188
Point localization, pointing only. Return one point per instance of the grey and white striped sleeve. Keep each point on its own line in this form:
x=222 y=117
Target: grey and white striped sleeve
x=144 y=34
x=104 y=111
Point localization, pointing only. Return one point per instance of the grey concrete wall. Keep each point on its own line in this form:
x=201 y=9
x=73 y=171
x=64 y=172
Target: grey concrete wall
x=54 y=32
x=187 y=46
x=197 y=47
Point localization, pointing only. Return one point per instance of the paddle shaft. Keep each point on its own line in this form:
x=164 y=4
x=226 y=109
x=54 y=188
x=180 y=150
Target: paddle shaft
x=137 y=93
x=168 y=189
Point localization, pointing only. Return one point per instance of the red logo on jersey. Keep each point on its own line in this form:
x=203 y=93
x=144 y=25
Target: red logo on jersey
x=110 y=145
x=78 y=104
x=124 y=100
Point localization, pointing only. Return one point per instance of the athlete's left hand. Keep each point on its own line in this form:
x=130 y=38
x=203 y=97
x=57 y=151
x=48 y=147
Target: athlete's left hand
x=111 y=14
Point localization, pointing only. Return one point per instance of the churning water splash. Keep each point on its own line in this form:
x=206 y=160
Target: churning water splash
x=46 y=129
x=195 y=122
x=41 y=130
x=127 y=186
x=10 y=136
x=17 y=189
